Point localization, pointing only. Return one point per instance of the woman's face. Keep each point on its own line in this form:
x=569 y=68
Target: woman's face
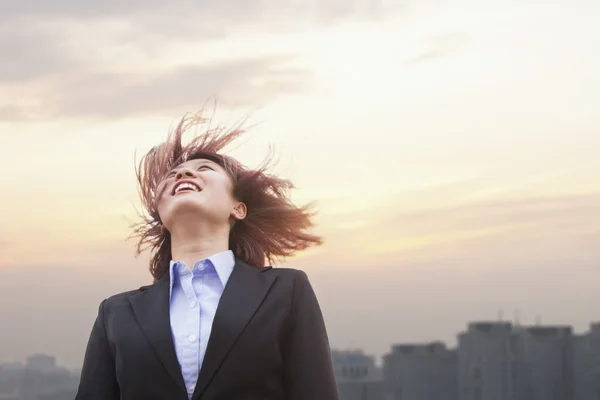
x=198 y=189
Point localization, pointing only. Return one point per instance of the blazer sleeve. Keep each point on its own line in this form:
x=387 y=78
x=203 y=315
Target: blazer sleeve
x=308 y=366
x=98 y=378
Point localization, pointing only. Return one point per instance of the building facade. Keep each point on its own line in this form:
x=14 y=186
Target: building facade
x=357 y=376
x=486 y=362
x=39 y=379
x=543 y=363
x=586 y=365
x=420 y=372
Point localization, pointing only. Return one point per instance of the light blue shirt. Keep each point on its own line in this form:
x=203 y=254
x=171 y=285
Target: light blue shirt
x=194 y=297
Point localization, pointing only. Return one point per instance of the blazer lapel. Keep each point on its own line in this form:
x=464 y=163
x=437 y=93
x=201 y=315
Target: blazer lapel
x=151 y=308
x=243 y=294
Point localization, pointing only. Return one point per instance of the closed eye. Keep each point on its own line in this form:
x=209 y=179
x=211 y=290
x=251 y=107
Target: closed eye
x=174 y=172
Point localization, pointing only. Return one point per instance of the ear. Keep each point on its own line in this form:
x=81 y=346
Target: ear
x=239 y=211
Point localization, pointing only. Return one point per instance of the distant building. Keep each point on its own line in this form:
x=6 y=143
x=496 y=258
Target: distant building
x=357 y=376
x=420 y=372
x=543 y=363
x=586 y=364
x=594 y=340
x=41 y=362
x=39 y=379
x=486 y=362
x=11 y=376
x=58 y=395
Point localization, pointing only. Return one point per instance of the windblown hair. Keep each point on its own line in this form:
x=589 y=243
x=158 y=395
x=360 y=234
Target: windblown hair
x=274 y=228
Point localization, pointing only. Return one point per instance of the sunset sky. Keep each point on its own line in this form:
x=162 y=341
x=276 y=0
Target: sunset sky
x=452 y=149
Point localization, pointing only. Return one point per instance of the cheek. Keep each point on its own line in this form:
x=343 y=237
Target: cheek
x=162 y=203
x=220 y=198
x=161 y=209
x=162 y=191
x=222 y=189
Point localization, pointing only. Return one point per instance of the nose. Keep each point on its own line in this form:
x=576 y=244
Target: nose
x=184 y=173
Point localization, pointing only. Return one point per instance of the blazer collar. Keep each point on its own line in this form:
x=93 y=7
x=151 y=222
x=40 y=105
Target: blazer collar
x=244 y=292
x=151 y=308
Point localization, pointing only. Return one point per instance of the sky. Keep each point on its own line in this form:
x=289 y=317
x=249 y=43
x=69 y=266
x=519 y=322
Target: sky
x=450 y=149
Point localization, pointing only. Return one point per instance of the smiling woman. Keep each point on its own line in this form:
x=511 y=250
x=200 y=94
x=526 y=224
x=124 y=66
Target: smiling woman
x=217 y=323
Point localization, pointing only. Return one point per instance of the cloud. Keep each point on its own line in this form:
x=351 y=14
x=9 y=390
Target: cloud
x=47 y=73
x=71 y=58
x=247 y=82
x=232 y=10
x=30 y=51
x=556 y=211
x=507 y=231
x=182 y=20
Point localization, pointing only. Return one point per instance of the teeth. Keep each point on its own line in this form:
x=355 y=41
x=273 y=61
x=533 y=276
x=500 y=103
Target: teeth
x=187 y=186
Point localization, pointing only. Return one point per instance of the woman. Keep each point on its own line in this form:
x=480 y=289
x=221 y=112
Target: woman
x=217 y=324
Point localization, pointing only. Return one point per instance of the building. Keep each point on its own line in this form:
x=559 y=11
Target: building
x=40 y=378
x=586 y=364
x=594 y=343
x=357 y=376
x=485 y=362
x=420 y=372
x=42 y=363
x=543 y=363
x=11 y=376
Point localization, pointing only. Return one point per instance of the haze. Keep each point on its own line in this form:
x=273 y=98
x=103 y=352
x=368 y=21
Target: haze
x=451 y=149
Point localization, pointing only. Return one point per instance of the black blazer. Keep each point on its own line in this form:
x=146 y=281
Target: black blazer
x=268 y=342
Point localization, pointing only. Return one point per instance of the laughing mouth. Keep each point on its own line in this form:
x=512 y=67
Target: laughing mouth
x=186 y=187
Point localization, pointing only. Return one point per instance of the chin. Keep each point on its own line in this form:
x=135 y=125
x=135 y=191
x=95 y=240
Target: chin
x=186 y=204
x=186 y=209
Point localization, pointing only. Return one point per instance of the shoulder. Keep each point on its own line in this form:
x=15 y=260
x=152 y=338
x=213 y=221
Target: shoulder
x=288 y=280
x=291 y=274
x=294 y=280
x=286 y=274
x=118 y=299
x=298 y=289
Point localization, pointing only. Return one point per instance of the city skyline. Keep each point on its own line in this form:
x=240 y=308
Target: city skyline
x=515 y=327
x=451 y=150
x=492 y=360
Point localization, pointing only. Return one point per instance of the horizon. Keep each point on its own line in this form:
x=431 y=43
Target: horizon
x=376 y=357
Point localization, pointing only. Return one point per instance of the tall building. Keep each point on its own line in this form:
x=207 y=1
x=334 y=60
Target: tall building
x=586 y=364
x=41 y=362
x=420 y=372
x=543 y=363
x=485 y=362
x=11 y=376
x=357 y=376
x=39 y=379
x=594 y=339
x=43 y=378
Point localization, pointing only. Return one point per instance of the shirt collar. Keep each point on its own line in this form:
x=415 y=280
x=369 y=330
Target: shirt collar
x=222 y=262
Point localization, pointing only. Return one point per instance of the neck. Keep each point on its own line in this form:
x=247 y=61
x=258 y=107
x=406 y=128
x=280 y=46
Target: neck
x=190 y=246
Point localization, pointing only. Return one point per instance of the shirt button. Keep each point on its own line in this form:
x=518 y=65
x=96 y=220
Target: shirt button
x=192 y=338
x=190 y=389
x=193 y=304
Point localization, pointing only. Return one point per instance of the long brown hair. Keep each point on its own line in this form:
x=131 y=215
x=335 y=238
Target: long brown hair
x=274 y=228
